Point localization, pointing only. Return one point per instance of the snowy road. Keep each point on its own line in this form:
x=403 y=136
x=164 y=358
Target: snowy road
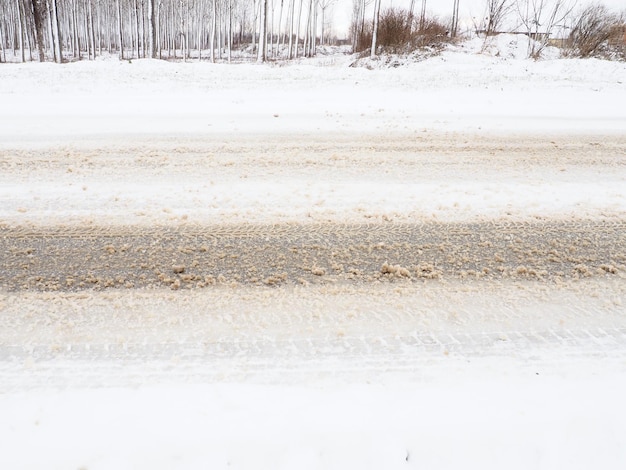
x=474 y=301
x=313 y=266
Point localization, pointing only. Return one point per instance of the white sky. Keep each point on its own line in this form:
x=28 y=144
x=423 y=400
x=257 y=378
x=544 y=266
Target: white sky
x=468 y=9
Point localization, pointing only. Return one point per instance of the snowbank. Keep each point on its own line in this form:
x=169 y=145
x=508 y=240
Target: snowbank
x=508 y=46
x=453 y=92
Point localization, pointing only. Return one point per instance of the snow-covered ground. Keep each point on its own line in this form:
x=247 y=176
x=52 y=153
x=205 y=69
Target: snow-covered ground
x=446 y=138
x=478 y=374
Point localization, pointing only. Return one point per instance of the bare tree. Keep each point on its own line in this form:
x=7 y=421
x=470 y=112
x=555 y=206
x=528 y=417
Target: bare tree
x=324 y=5
x=540 y=18
x=359 y=29
x=496 y=12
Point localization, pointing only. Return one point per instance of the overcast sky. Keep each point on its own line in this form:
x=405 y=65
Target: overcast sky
x=468 y=9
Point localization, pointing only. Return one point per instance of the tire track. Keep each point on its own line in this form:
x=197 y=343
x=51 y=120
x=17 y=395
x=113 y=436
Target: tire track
x=83 y=258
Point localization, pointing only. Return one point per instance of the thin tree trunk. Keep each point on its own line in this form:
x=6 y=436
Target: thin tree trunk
x=270 y=40
x=261 y=56
x=291 y=18
x=151 y=30
x=455 y=18
x=278 y=35
x=137 y=40
x=120 y=32
x=375 y=28
x=157 y=35
x=75 y=31
x=28 y=34
x=254 y=18
x=92 y=36
x=307 y=31
x=213 y=26
x=143 y=29
x=57 y=30
x=50 y=33
x=322 y=39
x=20 y=24
x=314 y=31
x=86 y=26
x=99 y=16
x=38 y=20
x=219 y=34
x=230 y=28
x=199 y=27
x=298 y=28
x=3 y=56
x=13 y=33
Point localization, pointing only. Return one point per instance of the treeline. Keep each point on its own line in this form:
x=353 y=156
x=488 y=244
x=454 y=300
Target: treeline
x=62 y=30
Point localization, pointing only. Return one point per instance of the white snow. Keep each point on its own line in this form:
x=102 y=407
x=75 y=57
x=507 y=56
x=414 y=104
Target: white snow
x=461 y=96
x=537 y=378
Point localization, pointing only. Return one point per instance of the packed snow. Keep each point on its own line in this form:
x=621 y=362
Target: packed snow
x=433 y=375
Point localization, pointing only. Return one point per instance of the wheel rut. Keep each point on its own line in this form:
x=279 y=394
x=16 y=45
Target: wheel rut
x=76 y=258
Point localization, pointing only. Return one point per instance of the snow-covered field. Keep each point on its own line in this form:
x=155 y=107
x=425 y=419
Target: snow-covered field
x=439 y=374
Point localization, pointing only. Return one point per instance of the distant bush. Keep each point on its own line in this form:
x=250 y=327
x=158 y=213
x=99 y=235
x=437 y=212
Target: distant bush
x=394 y=29
x=401 y=32
x=598 y=33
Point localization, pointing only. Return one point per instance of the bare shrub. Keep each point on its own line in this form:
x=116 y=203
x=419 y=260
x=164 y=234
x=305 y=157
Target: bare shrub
x=596 y=31
x=401 y=32
x=431 y=33
x=541 y=18
x=394 y=29
x=497 y=11
x=362 y=37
